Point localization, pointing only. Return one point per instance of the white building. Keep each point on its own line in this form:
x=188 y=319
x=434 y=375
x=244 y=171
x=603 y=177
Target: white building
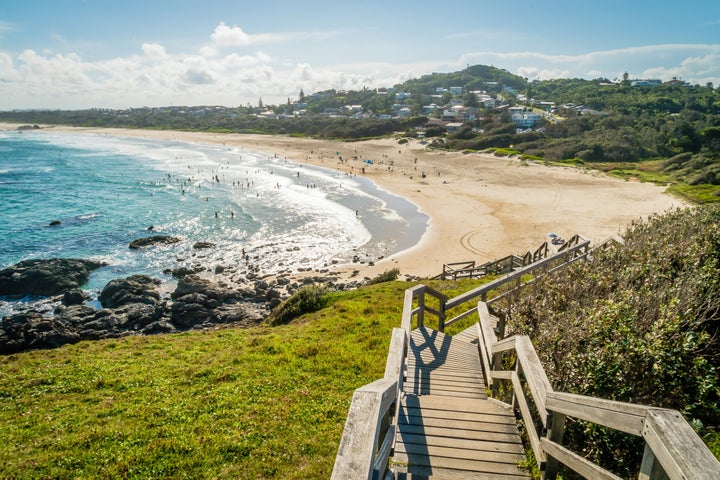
x=525 y=119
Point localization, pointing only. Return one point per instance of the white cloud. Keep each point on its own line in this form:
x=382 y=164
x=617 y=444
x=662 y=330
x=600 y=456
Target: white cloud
x=221 y=73
x=225 y=36
x=153 y=50
x=696 y=63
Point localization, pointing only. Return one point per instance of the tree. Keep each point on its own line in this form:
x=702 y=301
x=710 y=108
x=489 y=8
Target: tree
x=470 y=100
x=302 y=95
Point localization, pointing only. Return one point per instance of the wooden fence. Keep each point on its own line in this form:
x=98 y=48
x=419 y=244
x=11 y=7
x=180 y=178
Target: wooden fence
x=672 y=449
x=469 y=269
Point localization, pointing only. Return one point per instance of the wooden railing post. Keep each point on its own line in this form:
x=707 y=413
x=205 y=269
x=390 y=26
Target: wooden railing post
x=650 y=469
x=555 y=433
x=441 y=316
x=421 y=310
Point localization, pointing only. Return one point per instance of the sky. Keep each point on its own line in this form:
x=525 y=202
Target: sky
x=76 y=54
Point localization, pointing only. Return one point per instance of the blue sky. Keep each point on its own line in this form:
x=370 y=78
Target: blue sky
x=117 y=54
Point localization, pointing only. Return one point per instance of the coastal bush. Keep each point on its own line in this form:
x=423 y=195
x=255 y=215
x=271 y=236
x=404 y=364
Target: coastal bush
x=386 y=276
x=308 y=299
x=638 y=324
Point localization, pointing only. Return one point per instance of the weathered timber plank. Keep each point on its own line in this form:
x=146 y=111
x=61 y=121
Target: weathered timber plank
x=486 y=422
x=464 y=382
x=457 y=405
x=448 y=392
x=508 y=467
x=426 y=473
x=676 y=446
x=484 y=433
x=486 y=426
x=440 y=373
x=434 y=406
x=447 y=382
x=626 y=417
x=577 y=463
x=461 y=444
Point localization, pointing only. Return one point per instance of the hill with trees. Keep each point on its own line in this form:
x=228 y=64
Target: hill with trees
x=666 y=133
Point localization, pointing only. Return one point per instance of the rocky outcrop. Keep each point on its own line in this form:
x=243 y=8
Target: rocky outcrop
x=136 y=306
x=132 y=306
x=45 y=277
x=135 y=289
x=154 y=240
x=197 y=300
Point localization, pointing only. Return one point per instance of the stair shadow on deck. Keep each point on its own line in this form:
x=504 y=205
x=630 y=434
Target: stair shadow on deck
x=447 y=428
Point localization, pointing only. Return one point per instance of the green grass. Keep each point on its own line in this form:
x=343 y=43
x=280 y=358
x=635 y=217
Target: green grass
x=696 y=193
x=503 y=152
x=263 y=402
x=650 y=171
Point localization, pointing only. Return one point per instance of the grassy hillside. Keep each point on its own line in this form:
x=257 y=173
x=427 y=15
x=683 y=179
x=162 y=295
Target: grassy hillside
x=264 y=402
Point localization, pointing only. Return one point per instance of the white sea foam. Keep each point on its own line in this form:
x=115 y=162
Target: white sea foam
x=281 y=214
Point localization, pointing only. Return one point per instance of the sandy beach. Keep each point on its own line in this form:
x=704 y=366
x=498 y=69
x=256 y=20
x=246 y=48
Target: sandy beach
x=481 y=207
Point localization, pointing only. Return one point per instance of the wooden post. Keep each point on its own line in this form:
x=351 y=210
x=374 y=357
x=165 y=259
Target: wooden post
x=650 y=469
x=555 y=434
x=421 y=310
x=441 y=315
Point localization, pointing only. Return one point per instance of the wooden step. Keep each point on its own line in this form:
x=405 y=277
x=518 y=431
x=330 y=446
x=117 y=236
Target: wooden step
x=447 y=429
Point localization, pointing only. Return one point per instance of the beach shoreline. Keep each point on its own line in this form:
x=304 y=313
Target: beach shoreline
x=480 y=207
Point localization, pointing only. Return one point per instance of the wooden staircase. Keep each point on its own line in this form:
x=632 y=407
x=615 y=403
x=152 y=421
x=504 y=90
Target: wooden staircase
x=447 y=427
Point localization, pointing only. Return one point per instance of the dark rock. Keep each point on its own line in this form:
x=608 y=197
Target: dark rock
x=134 y=289
x=219 y=269
x=31 y=330
x=74 y=297
x=189 y=314
x=46 y=277
x=203 y=245
x=154 y=240
x=54 y=223
x=195 y=284
x=161 y=326
x=183 y=271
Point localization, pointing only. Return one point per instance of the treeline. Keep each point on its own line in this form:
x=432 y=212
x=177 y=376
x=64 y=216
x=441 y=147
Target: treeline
x=595 y=121
x=675 y=123
x=318 y=126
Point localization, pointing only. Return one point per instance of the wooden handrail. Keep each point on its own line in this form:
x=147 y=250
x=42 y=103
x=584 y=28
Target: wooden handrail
x=546 y=265
x=673 y=450
x=369 y=434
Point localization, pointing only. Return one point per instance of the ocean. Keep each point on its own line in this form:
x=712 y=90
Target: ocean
x=261 y=211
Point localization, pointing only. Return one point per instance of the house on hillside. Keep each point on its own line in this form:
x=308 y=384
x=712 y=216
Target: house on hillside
x=525 y=119
x=453 y=127
x=646 y=83
x=460 y=113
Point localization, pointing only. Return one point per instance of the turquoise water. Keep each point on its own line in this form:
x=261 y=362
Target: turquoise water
x=107 y=191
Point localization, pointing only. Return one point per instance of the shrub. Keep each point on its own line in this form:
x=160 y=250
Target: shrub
x=306 y=300
x=386 y=276
x=638 y=324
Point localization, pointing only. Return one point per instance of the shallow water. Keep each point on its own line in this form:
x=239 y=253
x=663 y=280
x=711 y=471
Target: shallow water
x=261 y=211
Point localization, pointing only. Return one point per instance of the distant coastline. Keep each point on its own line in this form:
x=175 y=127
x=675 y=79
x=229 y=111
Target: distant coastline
x=480 y=207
